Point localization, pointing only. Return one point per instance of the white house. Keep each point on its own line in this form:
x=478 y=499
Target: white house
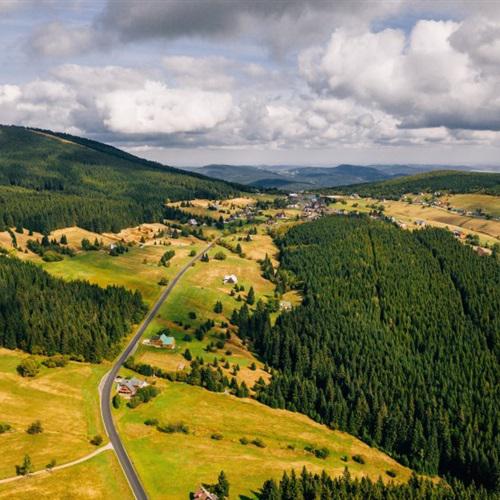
x=230 y=278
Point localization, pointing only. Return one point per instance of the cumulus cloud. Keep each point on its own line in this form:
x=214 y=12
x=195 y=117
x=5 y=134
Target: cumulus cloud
x=157 y=109
x=421 y=79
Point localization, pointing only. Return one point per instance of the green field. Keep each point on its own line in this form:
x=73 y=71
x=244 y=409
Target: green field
x=172 y=465
x=99 y=477
x=66 y=402
x=198 y=291
x=137 y=269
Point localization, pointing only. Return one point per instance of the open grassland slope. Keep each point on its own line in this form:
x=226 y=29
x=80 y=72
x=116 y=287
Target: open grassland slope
x=172 y=465
x=65 y=400
x=99 y=477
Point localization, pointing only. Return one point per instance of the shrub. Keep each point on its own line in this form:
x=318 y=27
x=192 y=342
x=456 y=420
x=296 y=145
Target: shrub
x=163 y=282
x=180 y=427
x=35 y=427
x=391 y=473
x=259 y=443
x=4 y=427
x=28 y=367
x=96 y=440
x=244 y=441
x=51 y=464
x=253 y=366
x=192 y=315
x=57 y=361
x=117 y=401
x=153 y=422
x=322 y=453
x=220 y=256
x=344 y=458
x=217 y=437
x=26 y=467
x=359 y=459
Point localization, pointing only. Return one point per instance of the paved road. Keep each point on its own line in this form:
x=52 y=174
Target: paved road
x=106 y=386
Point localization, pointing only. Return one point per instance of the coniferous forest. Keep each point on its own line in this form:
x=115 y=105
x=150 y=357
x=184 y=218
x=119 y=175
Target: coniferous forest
x=396 y=341
x=46 y=315
x=52 y=181
x=308 y=486
x=445 y=180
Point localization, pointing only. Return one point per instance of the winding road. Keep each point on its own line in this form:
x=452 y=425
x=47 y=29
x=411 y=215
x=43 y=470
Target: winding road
x=106 y=385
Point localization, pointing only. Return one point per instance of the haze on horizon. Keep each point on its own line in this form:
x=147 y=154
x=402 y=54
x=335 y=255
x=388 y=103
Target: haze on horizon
x=260 y=82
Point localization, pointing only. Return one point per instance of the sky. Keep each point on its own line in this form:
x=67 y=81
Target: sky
x=296 y=82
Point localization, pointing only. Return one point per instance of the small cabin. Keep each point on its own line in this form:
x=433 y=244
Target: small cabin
x=230 y=278
x=163 y=341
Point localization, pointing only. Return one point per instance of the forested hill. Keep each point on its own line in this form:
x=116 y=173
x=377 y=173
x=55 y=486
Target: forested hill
x=46 y=315
x=51 y=180
x=444 y=180
x=396 y=342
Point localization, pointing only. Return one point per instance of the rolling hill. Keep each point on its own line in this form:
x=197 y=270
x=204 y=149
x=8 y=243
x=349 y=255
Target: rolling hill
x=293 y=178
x=50 y=180
x=451 y=181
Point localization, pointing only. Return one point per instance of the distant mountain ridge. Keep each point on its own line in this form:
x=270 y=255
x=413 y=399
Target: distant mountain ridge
x=296 y=178
x=452 y=181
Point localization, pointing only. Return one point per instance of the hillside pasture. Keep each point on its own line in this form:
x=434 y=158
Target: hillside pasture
x=195 y=458
x=99 y=477
x=488 y=204
x=66 y=402
x=200 y=288
x=137 y=269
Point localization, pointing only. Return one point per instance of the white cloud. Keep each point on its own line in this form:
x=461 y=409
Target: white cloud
x=157 y=109
x=422 y=80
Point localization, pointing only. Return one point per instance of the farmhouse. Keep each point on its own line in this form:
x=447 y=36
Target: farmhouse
x=230 y=278
x=127 y=387
x=162 y=341
x=204 y=494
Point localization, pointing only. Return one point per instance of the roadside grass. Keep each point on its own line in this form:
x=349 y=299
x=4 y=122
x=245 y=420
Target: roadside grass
x=200 y=288
x=172 y=465
x=489 y=204
x=65 y=400
x=136 y=270
x=99 y=477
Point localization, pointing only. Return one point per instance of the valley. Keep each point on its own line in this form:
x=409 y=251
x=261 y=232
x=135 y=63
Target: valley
x=257 y=359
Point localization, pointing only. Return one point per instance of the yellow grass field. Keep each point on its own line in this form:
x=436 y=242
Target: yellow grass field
x=489 y=204
x=99 y=477
x=172 y=465
x=66 y=402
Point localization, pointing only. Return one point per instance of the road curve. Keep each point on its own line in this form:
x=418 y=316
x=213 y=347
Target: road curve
x=106 y=386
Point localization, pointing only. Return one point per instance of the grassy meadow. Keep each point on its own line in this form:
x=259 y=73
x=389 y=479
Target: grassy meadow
x=487 y=230
x=136 y=270
x=488 y=204
x=172 y=465
x=66 y=402
x=99 y=477
x=198 y=291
